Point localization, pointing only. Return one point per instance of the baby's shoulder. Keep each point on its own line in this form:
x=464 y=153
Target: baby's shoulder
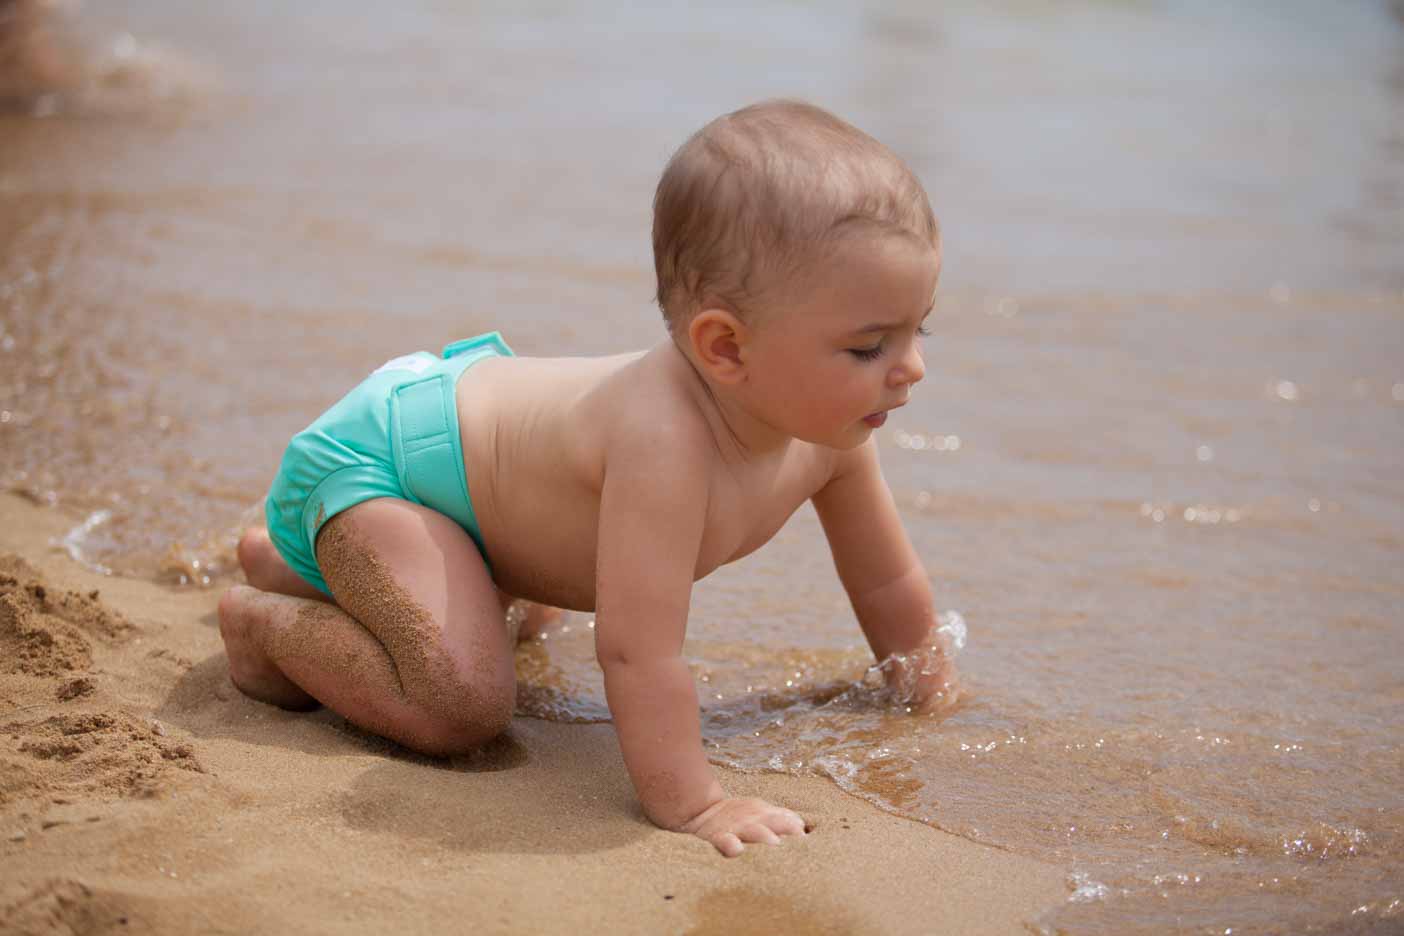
x=646 y=395
x=653 y=415
x=643 y=416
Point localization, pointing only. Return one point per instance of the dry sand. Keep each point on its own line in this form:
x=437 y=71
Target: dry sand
x=141 y=792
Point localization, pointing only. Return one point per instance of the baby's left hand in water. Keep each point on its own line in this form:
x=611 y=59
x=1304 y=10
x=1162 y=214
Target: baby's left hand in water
x=924 y=680
x=937 y=688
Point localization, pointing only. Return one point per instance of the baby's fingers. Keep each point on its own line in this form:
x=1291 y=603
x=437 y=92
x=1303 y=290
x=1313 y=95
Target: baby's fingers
x=784 y=822
x=757 y=832
x=728 y=844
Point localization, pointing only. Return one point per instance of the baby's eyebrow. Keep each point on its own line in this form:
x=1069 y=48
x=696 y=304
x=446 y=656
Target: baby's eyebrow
x=891 y=326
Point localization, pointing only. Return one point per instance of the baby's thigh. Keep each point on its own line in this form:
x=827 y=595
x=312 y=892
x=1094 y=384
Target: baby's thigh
x=414 y=579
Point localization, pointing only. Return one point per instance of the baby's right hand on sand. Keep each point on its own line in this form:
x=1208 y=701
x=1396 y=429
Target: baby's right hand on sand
x=730 y=823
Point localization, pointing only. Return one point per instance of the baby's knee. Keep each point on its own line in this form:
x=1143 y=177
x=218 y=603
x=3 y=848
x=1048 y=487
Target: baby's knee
x=443 y=736
x=230 y=613
x=459 y=718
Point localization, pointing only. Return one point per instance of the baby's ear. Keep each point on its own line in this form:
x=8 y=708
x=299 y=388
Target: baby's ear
x=716 y=336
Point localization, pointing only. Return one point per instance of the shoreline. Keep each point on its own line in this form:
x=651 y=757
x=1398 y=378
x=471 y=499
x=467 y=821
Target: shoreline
x=138 y=787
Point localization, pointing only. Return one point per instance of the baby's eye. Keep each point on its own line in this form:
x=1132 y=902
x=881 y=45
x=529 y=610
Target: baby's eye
x=923 y=331
x=867 y=354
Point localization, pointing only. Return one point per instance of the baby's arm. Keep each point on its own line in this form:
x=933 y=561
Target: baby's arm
x=652 y=512
x=884 y=578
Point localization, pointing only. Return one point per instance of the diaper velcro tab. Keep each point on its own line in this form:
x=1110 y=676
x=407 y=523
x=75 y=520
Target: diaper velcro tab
x=422 y=413
x=424 y=443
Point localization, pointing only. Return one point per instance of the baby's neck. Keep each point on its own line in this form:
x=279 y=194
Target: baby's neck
x=740 y=436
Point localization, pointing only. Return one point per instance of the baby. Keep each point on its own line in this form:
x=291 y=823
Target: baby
x=797 y=260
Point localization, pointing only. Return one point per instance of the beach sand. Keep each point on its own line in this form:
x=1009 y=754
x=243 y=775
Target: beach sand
x=141 y=792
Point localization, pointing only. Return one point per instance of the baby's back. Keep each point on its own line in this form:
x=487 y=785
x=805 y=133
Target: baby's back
x=535 y=463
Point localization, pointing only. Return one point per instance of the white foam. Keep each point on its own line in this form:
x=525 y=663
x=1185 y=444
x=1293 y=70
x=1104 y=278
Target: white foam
x=75 y=539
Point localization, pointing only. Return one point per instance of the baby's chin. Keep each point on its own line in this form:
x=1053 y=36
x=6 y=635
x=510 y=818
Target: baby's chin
x=853 y=439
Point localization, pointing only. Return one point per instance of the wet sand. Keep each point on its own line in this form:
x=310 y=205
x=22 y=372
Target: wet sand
x=139 y=790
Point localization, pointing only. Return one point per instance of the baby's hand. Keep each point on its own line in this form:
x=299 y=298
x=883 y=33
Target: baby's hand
x=923 y=680
x=730 y=822
x=937 y=688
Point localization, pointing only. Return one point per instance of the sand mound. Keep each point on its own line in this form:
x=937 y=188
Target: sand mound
x=57 y=906
x=47 y=638
x=48 y=633
x=65 y=907
x=109 y=753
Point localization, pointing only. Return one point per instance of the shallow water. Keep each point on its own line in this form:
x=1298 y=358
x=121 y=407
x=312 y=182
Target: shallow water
x=1155 y=465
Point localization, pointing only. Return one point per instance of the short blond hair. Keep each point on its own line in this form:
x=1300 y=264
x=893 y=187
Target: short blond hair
x=757 y=194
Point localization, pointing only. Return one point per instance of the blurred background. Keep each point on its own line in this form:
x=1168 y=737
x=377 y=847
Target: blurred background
x=1156 y=463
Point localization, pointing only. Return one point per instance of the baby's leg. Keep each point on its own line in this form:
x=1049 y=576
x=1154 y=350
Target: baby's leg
x=267 y=570
x=415 y=648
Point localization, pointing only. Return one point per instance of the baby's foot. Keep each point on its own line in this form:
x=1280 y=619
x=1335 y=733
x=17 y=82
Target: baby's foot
x=242 y=612
x=526 y=619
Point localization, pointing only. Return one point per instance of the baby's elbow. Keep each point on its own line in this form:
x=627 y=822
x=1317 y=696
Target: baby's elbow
x=633 y=665
x=616 y=658
x=609 y=649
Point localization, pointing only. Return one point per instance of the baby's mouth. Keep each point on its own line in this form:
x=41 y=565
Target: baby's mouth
x=876 y=419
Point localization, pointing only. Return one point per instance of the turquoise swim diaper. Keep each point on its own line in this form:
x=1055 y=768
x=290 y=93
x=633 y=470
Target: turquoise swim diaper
x=394 y=435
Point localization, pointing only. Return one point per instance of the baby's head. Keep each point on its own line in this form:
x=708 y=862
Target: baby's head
x=757 y=198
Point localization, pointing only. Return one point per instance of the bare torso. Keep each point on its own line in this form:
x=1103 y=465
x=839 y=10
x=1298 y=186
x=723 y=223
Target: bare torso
x=536 y=451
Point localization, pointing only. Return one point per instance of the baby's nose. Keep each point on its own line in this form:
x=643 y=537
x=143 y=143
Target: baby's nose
x=911 y=368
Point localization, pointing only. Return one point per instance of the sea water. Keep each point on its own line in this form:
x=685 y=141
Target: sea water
x=1155 y=468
